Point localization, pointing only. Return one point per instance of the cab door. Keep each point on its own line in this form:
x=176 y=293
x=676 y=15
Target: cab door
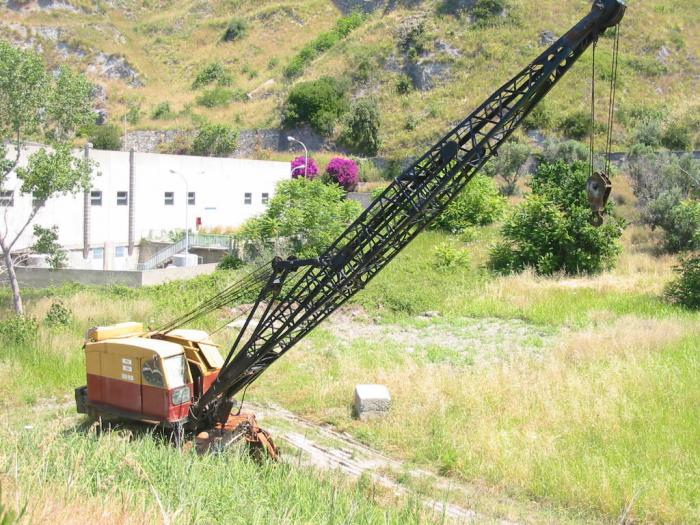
x=154 y=392
x=121 y=388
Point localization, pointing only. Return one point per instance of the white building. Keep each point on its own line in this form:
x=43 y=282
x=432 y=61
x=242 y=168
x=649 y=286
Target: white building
x=170 y=192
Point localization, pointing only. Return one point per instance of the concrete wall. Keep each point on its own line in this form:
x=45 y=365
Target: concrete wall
x=43 y=278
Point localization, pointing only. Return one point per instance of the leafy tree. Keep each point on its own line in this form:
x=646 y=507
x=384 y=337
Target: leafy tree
x=319 y=103
x=308 y=213
x=38 y=104
x=567 y=151
x=550 y=231
x=479 y=204
x=509 y=165
x=576 y=125
x=677 y=137
x=362 y=127
x=685 y=289
x=47 y=244
x=215 y=140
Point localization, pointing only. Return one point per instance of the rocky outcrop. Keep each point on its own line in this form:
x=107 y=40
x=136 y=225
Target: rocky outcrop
x=547 y=38
x=115 y=67
x=427 y=73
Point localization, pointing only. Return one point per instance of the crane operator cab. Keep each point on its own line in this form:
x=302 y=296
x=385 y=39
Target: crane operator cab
x=152 y=377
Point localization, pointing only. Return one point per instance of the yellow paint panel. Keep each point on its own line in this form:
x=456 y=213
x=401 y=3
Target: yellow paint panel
x=100 y=333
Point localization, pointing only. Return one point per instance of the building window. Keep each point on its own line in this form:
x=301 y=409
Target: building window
x=122 y=198
x=248 y=198
x=265 y=198
x=96 y=198
x=120 y=251
x=98 y=253
x=7 y=198
x=191 y=198
x=169 y=198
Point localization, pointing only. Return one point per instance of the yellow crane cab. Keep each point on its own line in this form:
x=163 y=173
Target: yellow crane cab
x=151 y=377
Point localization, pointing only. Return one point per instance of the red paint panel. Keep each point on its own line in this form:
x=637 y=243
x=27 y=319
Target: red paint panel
x=177 y=412
x=124 y=395
x=155 y=401
x=208 y=380
x=94 y=388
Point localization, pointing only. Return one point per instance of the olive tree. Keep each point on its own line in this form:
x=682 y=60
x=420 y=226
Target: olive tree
x=35 y=104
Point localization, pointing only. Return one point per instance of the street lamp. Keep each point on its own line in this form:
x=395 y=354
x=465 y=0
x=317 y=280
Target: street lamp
x=298 y=168
x=306 y=154
x=187 y=206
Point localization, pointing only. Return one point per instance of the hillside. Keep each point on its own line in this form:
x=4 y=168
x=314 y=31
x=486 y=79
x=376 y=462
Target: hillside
x=147 y=53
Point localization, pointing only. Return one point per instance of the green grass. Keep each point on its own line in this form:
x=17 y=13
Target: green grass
x=145 y=478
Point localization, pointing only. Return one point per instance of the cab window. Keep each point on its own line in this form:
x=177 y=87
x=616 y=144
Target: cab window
x=175 y=370
x=152 y=374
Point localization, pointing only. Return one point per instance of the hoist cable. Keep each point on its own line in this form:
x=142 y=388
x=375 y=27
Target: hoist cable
x=613 y=92
x=592 y=129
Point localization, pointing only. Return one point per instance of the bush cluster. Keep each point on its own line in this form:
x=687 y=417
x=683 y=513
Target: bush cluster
x=58 y=315
x=479 y=204
x=236 y=29
x=322 y=43
x=361 y=131
x=447 y=256
x=106 y=136
x=230 y=261
x=310 y=171
x=684 y=290
x=18 y=330
x=210 y=73
x=343 y=172
x=319 y=103
x=162 y=112
x=215 y=140
x=550 y=231
x=219 y=97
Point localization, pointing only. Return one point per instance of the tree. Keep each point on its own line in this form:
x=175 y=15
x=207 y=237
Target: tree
x=509 y=165
x=47 y=244
x=550 y=231
x=308 y=213
x=362 y=127
x=35 y=103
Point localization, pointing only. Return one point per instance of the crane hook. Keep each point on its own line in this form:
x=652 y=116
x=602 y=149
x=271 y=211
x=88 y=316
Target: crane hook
x=598 y=188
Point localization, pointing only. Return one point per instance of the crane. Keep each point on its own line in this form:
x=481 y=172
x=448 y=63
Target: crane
x=296 y=295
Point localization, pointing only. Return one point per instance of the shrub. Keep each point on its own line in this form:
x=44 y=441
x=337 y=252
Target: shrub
x=509 y=165
x=230 y=261
x=58 y=314
x=319 y=103
x=487 y=12
x=540 y=118
x=133 y=114
x=18 y=330
x=683 y=227
x=213 y=72
x=684 y=290
x=218 y=97
x=107 y=136
x=576 y=125
x=568 y=152
x=550 y=231
x=648 y=133
x=677 y=137
x=311 y=171
x=362 y=127
x=215 y=140
x=343 y=172
x=322 y=43
x=308 y=213
x=404 y=85
x=448 y=256
x=235 y=30
x=478 y=204
x=162 y=112
x=180 y=145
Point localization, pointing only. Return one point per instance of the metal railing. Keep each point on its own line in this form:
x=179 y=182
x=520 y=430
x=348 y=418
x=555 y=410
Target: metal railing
x=203 y=240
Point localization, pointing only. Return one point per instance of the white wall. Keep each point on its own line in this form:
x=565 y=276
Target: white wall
x=219 y=185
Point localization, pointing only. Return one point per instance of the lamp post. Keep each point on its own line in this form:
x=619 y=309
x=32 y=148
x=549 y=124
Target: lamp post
x=187 y=206
x=298 y=168
x=306 y=154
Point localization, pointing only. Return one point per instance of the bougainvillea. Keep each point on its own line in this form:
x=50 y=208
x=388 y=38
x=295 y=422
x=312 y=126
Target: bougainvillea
x=344 y=172
x=298 y=170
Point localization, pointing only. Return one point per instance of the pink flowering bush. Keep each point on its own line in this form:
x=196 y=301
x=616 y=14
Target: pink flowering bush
x=344 y=172
x=311 y=170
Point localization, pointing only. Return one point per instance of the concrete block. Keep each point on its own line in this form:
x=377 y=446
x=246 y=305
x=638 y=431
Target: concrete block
x=371 y=401
x=185 y=260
